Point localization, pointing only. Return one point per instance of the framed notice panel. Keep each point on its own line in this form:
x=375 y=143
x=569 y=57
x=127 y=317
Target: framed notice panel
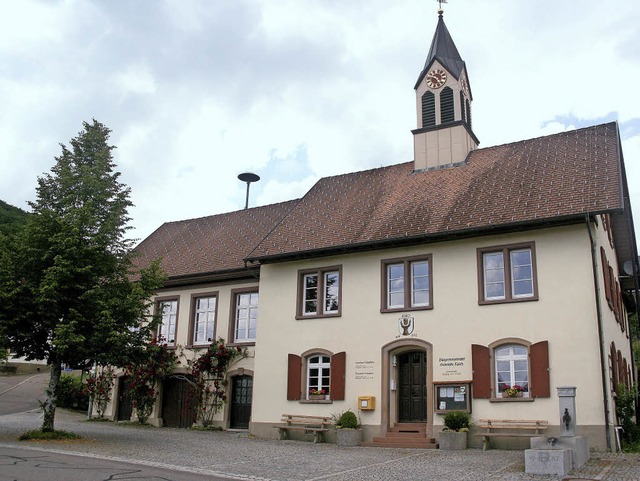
x=452 y=397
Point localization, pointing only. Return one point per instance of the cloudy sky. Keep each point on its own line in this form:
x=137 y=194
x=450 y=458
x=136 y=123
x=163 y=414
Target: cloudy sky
x=198 y=91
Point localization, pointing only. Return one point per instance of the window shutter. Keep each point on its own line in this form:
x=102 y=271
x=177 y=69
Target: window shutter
x=447 y=113
x=462 y=106
x=611 y=287
x=428 y=110
x=481 y=365
x=469 y=113
x=294 y=378
x=614 y=367
x=338 y=370
x=605 y=274
x=539 y=355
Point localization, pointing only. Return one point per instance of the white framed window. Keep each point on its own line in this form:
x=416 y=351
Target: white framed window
x=407 y=283
x=246 y=316
x=512 y=368
x=204 y=319
x=169 y=311
x=318 y=375
x=507 y=274
x=319 y=293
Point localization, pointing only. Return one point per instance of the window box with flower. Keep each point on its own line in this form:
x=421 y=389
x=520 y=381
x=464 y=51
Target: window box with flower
x=512 y=391
x=317 y=394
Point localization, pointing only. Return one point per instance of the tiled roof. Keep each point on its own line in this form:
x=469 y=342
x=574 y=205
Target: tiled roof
x=548 y=178
x=211 y=244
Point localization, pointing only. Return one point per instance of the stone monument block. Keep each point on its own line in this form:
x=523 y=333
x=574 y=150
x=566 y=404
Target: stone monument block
x=547 y=461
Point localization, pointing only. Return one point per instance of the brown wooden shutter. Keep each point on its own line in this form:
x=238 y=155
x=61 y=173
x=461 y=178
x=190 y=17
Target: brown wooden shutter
x=338 y=371
x=481 y=365
x=605 y=274
x=294 y=378
x=539 y=356
x=611 y=288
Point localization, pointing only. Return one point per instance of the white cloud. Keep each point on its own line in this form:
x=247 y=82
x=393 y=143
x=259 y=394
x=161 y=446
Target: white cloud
x=198 y=91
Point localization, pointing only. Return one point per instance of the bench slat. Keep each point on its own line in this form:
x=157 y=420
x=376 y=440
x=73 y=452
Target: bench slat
x=504 y=427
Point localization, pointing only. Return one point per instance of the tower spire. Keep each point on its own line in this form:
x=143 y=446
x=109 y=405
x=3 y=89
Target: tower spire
x=443 y=137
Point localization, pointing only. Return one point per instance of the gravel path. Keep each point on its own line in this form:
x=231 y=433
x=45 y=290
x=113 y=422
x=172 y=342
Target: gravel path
x=239 y=456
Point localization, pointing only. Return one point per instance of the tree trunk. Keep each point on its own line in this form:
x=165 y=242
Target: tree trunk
x=50 y=403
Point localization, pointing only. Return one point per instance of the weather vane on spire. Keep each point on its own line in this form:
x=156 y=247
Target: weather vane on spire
x=440 y=2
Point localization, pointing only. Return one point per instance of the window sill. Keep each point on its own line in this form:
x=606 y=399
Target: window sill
x=318 y=316
x=241 y=344
x=511 y=399
x=315 y=401
x=483 y=302
x=406 y=309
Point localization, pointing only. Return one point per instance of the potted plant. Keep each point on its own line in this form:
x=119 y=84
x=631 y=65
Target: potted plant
x=512 y=391
x=454 y=435
x=348 y=432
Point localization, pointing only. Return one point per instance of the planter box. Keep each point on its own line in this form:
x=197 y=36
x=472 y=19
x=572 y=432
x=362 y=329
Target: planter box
x=349 y=437
x=452 y=441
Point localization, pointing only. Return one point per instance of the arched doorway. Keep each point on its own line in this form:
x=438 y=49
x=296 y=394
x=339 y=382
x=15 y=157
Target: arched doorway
x=407 y=382
x=241 y=397
x=412 y=386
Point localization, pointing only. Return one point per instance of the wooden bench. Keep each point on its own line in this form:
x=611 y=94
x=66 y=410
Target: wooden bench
x=508 y=428
x=316 y=425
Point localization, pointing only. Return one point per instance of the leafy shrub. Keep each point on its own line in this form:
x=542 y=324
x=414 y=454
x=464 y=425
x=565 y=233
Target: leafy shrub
x=47 y=435
x=72 y=393
x=625 y=410
x=347 y=420
x=457 y=420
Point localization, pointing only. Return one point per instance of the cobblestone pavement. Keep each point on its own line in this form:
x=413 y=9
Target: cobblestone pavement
x=238 y=456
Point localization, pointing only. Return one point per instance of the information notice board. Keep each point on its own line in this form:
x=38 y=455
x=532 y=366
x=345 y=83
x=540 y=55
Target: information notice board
x=452 y=397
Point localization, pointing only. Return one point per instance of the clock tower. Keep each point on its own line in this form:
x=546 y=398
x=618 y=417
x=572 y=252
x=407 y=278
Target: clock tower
x=443 y=105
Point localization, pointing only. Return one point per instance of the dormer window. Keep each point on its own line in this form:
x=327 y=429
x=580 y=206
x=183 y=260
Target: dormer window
x=446 y=106
x=428 y=110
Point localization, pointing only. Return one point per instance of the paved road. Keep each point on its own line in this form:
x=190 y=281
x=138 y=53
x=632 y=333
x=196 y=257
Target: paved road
x=236 y=455
x=22 y=464
x=21 y=393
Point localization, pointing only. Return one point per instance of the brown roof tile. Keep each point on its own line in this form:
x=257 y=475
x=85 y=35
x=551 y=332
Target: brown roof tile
x=210 y=244
x=557 y=176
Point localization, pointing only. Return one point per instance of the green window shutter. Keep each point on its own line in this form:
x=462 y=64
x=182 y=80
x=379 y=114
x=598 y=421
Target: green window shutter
x=428 y=110
x=446 y=106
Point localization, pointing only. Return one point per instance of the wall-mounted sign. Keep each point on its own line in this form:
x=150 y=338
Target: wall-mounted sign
x=452 y=367
x=365 y=369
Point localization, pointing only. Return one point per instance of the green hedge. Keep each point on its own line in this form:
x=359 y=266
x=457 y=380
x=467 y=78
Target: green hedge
x=72 y=393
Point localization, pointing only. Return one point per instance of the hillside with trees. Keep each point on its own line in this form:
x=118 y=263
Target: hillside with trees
x=11 y=218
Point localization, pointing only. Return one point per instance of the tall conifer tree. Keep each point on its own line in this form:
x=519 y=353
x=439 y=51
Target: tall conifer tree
x=66 y=289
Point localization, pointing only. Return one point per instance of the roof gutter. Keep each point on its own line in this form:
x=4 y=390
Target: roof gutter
x=423 y=238
x=603 y=363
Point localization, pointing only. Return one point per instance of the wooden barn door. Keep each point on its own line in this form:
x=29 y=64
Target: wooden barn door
x=178 y=409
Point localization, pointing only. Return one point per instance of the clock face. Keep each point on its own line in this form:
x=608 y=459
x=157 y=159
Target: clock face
x=436 y=78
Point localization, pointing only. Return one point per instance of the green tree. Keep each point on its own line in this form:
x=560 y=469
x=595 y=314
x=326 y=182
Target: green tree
x=11 y=218
x=66 y=289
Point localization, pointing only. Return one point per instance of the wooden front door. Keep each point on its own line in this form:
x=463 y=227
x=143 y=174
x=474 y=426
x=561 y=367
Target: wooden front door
x=240 y=409
x=412 y=383
x=124 y=400
x=178 y=406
